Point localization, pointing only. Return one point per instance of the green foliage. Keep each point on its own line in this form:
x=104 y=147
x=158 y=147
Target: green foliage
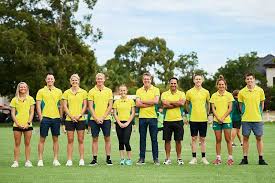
x=36 y=39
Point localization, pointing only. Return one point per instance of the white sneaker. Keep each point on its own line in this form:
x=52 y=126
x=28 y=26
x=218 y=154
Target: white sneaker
x=28 y=164
x=40 y=163
x=167 y=162
x=56 y=163
x=180 y=162
x=204 y=161
x=193 y=161
x=81 y=162
x=69 y=163
x=15 y=164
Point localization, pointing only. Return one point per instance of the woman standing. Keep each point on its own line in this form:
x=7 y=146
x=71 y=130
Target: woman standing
x=124 y=113
x=221 y=103
x=75 y=105
x=22 y=110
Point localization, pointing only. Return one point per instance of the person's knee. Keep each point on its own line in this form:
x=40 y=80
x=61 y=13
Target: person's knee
x=259 y=138
x=95 y=139
x=202 y=139
x=80 y=140
x=194 y=139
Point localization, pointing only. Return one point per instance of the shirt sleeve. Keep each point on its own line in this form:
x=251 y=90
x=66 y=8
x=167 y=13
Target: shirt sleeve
x=208 y=96
x=138 y=94
x=85 y=95
x=212 y=99
x=60 y=95
x=91 y=95
x=163 y=96
x=39 y=95
x=110 y=95
x=157 y=92
x=183 y=95
x=133 y=103
x=240 y=97
x=115 y=104
x=32 y=101
x=12 y=104
x=262 y=95
x=65 y=96
x=231 y=98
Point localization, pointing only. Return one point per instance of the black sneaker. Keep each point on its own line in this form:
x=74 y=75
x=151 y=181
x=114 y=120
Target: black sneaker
x=234 y=145
x=93 y=163
x=109 y=162
x=156 y=162
x=243 y=162
x=262 y=162
x=141 y=161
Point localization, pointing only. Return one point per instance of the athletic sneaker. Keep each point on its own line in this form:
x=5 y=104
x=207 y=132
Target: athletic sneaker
x=40 y=163
x=217 y=162
x=167 y=162
x=262 y=162
x=15 y=164
x=243 y=162
x=93 y=163
x=204 y=161
x=109 y=162
x=234 y=145
x=122 y=162
x=56 y=163
x=28 y=164
x=156 y=162
x=128 y=162
x=193 y=161
x=141 y=162
x=81 y=162
x=230 y=162
x=69 y=163
x=180 y=162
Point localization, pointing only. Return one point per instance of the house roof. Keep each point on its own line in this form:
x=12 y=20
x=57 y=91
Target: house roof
x=264 y=62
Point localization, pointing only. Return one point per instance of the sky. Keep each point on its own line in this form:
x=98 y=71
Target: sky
x=216 y=29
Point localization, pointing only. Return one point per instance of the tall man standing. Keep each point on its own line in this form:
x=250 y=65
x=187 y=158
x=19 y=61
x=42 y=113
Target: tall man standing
x=173 y=101
x=100 y=104
x=251 y=99
x=147 y=101
x=49 y=113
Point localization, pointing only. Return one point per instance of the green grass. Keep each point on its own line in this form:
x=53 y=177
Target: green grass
x=146 y=173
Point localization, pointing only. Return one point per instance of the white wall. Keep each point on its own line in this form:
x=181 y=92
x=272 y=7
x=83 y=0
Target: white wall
x=270 y=73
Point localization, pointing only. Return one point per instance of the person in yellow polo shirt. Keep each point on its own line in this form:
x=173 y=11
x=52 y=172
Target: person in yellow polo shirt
x=221 y=103
x=100 y=105
x=198 y=106
x=251 y=99
x=75 y=105
x=124 y=113
x=173 y=101
x=22 y=109
x=147 y=101
x=48 y=110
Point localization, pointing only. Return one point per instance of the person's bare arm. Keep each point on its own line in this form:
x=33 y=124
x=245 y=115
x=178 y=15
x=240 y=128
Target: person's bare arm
x=92 y=110
x=178 y=103
x=13 y=116
x=116 y=118
x=140 y=104
x=227 y=112
x=167 y=104
x=215 y=113
x=38 y=110
x=31 y=113
x=108 y=110
x=66 y=110
x=152 y=102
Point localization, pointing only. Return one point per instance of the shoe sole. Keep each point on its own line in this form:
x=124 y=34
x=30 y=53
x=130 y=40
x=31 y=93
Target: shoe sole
x=93 y=164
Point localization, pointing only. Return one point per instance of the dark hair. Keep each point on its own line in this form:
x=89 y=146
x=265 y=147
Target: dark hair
x=249 y=74
x=235 y=92
x=221 y=78
x=173 y=78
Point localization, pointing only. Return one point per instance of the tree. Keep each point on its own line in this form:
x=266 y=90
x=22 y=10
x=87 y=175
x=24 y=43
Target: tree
x=140 y=55
x=235 y=69
x=37 y=37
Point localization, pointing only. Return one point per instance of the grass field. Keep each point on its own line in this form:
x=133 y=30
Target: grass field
x=147 y=173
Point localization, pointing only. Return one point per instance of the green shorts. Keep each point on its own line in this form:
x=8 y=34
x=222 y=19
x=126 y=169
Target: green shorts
x=217 y=126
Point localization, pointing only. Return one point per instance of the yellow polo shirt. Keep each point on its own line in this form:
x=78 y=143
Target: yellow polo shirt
x=198 y=104
x=124 y=108
x=221 y=103
x=251 y=104
x=101 y=100
x=50 y=101
x=174 y=114
x=22 y=109
x=150 y=94
x=75 y=102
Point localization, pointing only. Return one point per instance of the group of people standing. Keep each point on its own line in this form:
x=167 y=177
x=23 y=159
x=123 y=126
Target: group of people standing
x=52 y=105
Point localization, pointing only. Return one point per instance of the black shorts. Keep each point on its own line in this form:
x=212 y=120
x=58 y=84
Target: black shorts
x=237 y=124
x=105 y=127
x=72 y=126
x=198 y=128
x=21 y=129
x=173 y=126
x=50 y=123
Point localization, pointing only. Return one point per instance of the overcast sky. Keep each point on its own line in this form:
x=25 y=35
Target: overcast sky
x=215 y=29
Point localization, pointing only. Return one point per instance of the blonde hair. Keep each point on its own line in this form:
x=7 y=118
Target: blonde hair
x=100 y=74
x=75 y=76
x=221 y=78
x=195 y=75
x=17 y=90
x=123 y=85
